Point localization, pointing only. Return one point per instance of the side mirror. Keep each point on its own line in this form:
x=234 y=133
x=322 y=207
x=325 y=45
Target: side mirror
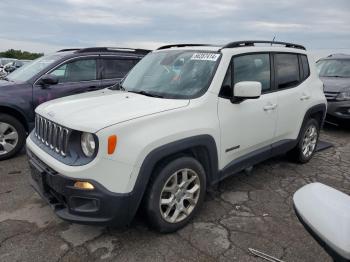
x=247 y=90
x=49 y=79
x=325 y=213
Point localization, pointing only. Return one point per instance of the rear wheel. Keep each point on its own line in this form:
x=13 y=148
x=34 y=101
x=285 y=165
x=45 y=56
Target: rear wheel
x=176 y=194
x=12 y=136
x=306 y=147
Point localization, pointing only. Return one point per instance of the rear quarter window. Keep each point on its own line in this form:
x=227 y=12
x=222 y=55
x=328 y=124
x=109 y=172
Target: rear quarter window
x=305 y=67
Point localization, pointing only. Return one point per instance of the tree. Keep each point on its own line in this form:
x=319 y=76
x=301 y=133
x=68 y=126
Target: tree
x=19 y=54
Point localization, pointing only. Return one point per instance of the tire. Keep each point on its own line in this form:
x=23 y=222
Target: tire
x=12 y=136
x=307 y=143
x=180 y=203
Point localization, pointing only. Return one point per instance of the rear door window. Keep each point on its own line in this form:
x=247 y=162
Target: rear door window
x=77 y=71
x=287 y=70
x=116 y=68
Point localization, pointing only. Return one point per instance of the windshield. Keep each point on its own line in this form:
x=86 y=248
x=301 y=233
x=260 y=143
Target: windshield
x=334 y=68
x=4 y=61
x=172 y=74
x=30 y=69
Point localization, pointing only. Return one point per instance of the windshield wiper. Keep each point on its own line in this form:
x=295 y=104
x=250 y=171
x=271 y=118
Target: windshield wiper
x=5 y=78
x=336 y=76
x=117 y=86
x=145 y=93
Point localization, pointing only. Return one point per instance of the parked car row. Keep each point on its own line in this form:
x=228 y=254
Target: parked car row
x=167 y=127
x=11 y=66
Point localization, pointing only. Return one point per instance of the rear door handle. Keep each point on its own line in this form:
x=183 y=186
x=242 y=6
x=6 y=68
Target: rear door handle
x=304 y=97
x=270 y=107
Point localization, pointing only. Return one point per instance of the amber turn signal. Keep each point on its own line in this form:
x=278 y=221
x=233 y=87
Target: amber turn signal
x=112 y=144
x=84 y=185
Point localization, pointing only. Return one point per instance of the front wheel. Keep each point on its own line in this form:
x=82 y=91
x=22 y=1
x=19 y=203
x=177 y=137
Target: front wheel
x=176 y=194
x=306 y=147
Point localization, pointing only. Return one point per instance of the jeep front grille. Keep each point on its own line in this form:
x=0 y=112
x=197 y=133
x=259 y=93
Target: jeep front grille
x=52 y=135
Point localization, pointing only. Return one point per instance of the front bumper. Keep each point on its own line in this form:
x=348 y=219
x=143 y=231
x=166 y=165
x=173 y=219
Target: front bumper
x=338 y=110
x=98 y=206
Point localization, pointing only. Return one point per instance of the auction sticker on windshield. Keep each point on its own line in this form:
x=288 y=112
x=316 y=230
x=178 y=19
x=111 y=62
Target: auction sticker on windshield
x=205 y=56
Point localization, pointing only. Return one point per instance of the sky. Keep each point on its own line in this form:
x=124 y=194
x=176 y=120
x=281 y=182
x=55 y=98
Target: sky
x=323 y=26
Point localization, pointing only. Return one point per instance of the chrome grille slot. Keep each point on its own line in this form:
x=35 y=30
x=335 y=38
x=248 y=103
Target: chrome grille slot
x=331 y=95
x=52 y=135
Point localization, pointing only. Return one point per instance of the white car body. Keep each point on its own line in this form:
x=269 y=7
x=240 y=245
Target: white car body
x=144 y=124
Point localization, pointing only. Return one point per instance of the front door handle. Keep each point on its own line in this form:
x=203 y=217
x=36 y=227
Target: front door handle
x=270 y=107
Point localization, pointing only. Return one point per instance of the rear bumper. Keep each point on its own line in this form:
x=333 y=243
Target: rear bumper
x=98 y=206
x=339 y=110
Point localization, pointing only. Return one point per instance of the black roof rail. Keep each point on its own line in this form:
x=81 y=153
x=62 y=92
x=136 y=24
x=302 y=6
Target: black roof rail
x=113 y=49
x=180 y=45
x=68 y=49
x=253 y=42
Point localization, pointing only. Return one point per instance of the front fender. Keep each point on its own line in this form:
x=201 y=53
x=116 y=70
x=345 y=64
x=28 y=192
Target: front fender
x=162 y=152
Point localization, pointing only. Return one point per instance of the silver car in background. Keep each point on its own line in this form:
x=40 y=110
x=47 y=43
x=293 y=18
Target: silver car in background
x=334 y=71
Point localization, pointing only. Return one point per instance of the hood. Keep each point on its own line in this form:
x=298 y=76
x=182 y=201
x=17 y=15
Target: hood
x=11 y=88
x=93 y=111
x=335 y=84
x=4 y=83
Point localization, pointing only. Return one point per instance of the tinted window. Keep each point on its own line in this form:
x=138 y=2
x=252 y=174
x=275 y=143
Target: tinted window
x=306 y=68
x=253 y=67
x=116 y=68
x=77 y=71
x=287 y=70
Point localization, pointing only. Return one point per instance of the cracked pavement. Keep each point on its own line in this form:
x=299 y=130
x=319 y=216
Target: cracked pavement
x=246 y=210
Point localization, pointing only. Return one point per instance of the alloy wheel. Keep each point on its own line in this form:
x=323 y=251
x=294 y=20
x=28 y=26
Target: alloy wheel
x=8 y=138
x=309 y=141
x=179 y=195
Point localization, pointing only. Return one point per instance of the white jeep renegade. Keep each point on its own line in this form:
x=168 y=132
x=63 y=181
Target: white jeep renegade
x=184 y=118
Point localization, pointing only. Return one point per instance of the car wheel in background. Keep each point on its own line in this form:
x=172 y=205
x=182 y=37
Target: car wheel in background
x=12 y=136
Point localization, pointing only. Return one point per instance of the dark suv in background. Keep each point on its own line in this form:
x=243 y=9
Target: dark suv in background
x=334 y=71
x=67 y=72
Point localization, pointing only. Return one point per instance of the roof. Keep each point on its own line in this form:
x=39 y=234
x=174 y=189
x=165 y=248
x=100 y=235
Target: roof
x=336 y=56
x=123 y=50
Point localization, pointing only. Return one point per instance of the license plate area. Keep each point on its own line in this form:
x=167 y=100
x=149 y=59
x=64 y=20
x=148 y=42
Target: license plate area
x=39 y=177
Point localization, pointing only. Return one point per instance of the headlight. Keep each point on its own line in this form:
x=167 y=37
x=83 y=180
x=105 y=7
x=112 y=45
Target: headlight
x=88 y=144
x=343 y=96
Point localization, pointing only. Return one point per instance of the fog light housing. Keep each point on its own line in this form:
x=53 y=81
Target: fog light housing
x=84 y=185
x=82 y=204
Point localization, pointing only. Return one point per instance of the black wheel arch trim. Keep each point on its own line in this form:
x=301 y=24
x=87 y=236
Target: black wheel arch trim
x=320 y=108
x=18 y=111
x=160 y=153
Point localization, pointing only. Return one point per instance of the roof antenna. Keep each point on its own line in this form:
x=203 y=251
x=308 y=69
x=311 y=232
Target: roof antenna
x=273 y=39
